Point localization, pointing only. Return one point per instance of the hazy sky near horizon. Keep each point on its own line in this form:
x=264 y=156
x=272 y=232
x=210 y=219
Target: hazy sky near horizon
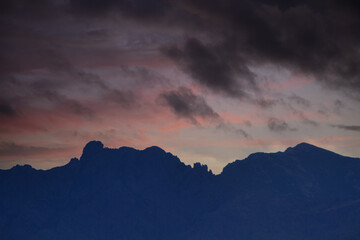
x=210 y=81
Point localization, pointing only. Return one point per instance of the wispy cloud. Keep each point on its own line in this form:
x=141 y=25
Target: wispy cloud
x=277 y=125
x=347 y=127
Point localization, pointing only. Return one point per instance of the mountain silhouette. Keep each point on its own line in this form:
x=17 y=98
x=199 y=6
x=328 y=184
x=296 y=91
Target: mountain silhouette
x=305 y=192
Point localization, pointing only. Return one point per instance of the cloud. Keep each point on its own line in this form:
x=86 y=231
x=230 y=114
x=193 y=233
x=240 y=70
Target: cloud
x=11 y=149
x=125 y=99
x=215 y=67
x=277 y=125
x=229 y=128
x=299 y=114
x=68 y=104
x=139 y=9
x=338 y=106
x=7 y=110
x=66 y=60
x=316 y=38
x=299 y=101
x=60 y=65
x=305 y=120
x=347 y=127
x=184 y=103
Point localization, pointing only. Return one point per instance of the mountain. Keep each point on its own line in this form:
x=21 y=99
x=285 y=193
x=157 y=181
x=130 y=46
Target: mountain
x=304 y=192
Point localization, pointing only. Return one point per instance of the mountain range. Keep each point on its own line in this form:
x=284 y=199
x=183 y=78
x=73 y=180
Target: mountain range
x=305 y=192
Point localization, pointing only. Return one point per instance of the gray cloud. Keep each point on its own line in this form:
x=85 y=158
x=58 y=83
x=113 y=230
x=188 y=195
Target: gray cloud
x=139 y=9
x=229 y=128
x=7 y=110
x=299 y=101
x=305 y=120
x=215 y=67
x=184 y=103
x=10 y=149
x=277 y=125
x=68 y=104
x=125 y=99
x=347 y=127
x=318 y=38
x=60 y=65
x=338 y=106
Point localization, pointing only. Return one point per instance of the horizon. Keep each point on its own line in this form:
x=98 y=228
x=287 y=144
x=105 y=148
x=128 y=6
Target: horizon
x=216 y=171
x=210 y=82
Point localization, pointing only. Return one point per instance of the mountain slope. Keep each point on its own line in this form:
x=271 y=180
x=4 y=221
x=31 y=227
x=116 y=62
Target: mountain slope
x=303 y=193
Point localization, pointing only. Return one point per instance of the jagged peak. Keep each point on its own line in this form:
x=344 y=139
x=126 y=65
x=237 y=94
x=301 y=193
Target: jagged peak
x=198 y=165
x=73 y=161
x=94 y=149
x=91 y=148
x=201 y=168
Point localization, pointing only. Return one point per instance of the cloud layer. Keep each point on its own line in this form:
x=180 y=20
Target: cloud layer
x=220 y=76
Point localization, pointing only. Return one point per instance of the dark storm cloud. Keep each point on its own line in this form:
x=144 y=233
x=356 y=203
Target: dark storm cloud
x=215 y=67
x=24 y=6
x=139 y=9
x=184 y=103
x=348 y=127
x=315 y=37
x=277 y=125
x=319 y=38
x=7 y=110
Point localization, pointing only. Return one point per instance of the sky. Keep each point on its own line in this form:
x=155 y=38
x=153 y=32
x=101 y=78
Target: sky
x=209 y=81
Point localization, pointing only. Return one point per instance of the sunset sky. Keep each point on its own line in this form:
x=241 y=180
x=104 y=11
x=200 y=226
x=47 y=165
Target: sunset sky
x=209 y=81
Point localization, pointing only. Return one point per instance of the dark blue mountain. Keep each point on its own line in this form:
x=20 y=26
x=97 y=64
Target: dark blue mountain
x=303 y=193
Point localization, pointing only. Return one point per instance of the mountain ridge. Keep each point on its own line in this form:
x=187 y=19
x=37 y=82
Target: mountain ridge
x=95 y=146
x=304 y=192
